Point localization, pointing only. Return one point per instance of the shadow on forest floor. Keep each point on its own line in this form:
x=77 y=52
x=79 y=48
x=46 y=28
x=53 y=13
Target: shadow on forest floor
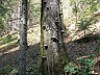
x=10 y=55
x=83 y=46
x=87 y=45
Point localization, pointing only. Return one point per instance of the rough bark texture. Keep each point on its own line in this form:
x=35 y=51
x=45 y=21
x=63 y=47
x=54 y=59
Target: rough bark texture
x=53 y=40
x=23 y=38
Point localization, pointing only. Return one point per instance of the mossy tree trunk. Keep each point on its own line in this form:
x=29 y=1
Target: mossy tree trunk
x=43 y=66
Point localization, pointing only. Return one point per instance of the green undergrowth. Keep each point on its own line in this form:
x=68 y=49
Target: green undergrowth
x=64 y=65
x=12 y=70
x=85 y=67
x=7 y=39
x=62 y=61
x=9 y=70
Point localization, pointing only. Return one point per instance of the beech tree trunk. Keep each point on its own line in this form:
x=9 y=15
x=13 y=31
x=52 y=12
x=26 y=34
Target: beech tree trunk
x=23 y=38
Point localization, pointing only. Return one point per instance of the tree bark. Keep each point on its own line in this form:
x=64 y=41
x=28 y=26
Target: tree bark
x=53 y=39
x=23 y=38
x=43 y=66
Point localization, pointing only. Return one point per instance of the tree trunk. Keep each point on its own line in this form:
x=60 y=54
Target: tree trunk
x=53 y=40
x=23 y=38
x=43 y=66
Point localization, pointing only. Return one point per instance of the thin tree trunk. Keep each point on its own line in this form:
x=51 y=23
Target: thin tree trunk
x=23 y=38
x=43 y=66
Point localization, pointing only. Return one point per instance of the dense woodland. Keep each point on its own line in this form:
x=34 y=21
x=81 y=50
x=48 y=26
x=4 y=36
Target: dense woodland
x=49 y=37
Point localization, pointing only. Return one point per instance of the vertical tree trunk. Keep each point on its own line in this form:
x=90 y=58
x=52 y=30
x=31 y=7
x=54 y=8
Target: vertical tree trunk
x=53 y=40
x=23 y=38
x=43 y=54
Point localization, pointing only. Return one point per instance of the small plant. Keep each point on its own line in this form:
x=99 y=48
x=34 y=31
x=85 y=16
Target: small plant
x=85 y=23
x=14 y=72
x=8 y=39
x=86 y=67
x=5 y=70
x=32 y=70
x=9 y=70
x=71 y=68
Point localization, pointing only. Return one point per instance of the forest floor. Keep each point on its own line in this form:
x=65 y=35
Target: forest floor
x=9 y=48
x=9 y=55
